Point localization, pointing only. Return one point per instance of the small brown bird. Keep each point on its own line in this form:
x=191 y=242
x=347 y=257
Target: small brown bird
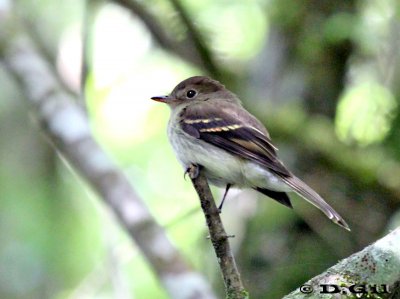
x=209 y=127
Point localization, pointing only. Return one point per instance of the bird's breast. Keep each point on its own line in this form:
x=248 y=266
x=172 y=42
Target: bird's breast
x=220 y=166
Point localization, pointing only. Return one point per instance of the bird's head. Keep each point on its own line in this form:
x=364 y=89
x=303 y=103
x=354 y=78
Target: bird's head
x=196 y=89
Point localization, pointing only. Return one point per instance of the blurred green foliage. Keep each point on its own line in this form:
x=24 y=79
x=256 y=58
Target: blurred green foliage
x=306 y=68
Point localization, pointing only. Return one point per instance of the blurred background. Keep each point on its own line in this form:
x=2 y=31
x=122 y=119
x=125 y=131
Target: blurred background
x=323 y=76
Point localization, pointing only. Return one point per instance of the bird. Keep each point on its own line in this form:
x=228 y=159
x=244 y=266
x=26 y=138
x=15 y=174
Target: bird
x=209 y=128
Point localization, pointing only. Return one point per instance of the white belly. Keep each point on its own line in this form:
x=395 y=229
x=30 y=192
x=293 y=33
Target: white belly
x=220 y=166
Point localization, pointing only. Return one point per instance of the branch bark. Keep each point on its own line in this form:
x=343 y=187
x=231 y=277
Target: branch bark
x=219 y=238
x=376 y=264
x=65 y=124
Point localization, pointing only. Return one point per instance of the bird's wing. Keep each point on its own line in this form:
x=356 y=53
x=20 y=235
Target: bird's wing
x=237 y=132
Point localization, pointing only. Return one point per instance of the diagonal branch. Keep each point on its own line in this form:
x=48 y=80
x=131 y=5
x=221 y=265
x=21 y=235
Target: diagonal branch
x=150 y=21
x=373 y=272
x=66 y=126
x=192 y=49
x=197 y=39
x=219 y=238
x=159 y=34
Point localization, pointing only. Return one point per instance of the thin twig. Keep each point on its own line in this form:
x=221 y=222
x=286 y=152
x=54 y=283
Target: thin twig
x=220 y=240
x=89 y=14
x=197 y=39
x=87 y=19
x=150 y=21
x=192 y=49
x=166 y=41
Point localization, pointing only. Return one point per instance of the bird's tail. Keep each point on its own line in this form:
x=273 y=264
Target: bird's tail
x=312 y=197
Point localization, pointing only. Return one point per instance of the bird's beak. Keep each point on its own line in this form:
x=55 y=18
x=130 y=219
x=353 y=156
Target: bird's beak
x=162 y=99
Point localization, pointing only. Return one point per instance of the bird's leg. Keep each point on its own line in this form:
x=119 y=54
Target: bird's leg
x=223 y=198
x=193 y=171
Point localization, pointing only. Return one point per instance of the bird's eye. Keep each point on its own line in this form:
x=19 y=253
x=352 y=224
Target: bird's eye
x=191 y=93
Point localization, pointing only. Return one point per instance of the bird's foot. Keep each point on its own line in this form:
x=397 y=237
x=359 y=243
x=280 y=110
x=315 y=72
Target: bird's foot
x=193 y=171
